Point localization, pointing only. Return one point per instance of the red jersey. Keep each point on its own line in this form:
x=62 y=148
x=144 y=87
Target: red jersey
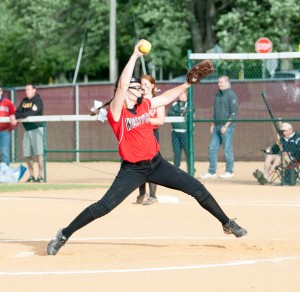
x=7 y=109
x=135 y=133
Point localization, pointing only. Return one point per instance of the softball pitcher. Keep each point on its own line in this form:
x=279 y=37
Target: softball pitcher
x=128 y=115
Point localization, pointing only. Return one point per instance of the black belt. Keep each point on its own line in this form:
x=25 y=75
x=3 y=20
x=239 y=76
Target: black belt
x=144 y=162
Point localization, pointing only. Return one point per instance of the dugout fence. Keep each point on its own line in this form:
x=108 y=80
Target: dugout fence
x=80 y=149
x=277 y=75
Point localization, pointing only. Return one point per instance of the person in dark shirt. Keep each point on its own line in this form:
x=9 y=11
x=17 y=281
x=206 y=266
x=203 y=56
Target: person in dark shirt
x=179 y=130
x=222 y=130
x=33 y=146
x=283 y=152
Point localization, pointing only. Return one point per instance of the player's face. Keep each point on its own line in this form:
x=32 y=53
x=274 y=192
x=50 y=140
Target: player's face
x=135 y=92
x=30 y=91
x=135 y=89
x=147 y=86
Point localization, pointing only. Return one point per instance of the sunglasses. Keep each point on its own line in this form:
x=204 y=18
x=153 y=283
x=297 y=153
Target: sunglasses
x=137 y=88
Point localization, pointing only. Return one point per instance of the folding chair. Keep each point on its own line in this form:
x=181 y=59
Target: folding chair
x=276 y=176
x=289 y=175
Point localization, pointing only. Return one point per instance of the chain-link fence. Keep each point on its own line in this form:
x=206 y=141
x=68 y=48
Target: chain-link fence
x=82 y=149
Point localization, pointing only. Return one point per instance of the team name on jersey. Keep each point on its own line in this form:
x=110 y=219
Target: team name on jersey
x=135 y=122
x=4 y=108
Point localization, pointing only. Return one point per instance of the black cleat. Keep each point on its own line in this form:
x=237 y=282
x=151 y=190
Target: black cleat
x=31 y=179
x=39 y=179
x=232 y=228
x=56 y=243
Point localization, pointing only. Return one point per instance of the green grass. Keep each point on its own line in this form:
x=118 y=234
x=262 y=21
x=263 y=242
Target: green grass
x=19 y=187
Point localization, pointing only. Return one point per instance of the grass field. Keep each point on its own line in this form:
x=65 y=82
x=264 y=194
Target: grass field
x=20 y=187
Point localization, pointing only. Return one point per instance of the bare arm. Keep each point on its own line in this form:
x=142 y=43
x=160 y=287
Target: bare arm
x=169 y=95
x=118 y=102
x=13 y=120
x=160 y=119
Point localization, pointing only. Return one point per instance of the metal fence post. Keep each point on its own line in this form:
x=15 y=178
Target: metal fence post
x=190 y=126
x=45 y=150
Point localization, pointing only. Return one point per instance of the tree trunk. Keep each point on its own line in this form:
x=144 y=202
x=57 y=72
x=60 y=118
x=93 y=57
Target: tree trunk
x=203 y=36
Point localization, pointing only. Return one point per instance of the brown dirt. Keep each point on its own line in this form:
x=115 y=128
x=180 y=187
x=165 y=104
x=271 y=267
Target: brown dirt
x=166 y=247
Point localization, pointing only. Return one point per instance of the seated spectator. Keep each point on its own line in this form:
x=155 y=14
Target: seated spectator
x=284 y=152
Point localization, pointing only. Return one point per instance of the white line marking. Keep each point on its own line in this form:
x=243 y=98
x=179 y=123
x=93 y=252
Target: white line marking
x=194 y=267
x=23 y=254
x=223 y=238
x=168 y=199
x=175 y=200
x=122 y=238
x=286 y=204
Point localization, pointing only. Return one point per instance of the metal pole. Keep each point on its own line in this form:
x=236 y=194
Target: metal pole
x=77 y=137
x=190 y=125
x=45 y=150
x=137 y=37
x=13 y=139
x=77 y=65
x=112 y=42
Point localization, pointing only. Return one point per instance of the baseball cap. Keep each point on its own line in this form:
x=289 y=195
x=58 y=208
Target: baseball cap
x=285 y=126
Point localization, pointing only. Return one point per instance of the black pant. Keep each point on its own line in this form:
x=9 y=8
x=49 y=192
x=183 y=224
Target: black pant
x=131 y=176
x=152 y=187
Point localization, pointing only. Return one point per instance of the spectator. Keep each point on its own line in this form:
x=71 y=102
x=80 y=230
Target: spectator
x=179 y=129
x=33 y=145
x=7 y=109
x=222 y=130
x=157 y=118
x=282 y=153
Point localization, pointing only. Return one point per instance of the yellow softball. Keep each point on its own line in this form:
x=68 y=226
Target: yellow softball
x=145 y=47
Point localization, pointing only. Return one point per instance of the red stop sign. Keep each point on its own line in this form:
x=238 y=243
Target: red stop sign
x=263 y=45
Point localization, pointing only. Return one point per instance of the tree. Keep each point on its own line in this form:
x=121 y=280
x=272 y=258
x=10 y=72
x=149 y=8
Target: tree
x=51 y=34
x=246 y=21
x=201 y=19
x=163 y=24
x=42 y=39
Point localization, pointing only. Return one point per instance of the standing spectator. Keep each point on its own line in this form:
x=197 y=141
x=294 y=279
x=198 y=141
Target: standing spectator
x=179 y=129
x=157 y=118
x=32 y=105
x=222 y=130
x=7 y=109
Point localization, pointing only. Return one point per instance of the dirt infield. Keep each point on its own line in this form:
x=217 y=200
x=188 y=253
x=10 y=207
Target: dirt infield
x=171 y=246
